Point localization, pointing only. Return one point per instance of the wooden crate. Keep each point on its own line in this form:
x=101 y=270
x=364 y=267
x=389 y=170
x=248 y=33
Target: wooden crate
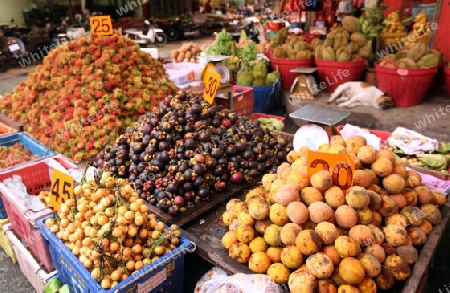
x=201 y=207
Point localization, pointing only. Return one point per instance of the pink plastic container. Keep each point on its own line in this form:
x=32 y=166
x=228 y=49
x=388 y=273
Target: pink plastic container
x=36 y=177
x=35 y=274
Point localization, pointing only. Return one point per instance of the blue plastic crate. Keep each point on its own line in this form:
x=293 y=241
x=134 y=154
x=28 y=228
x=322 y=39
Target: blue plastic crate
x=33 y=146
x=164 y=275
x=265 y=97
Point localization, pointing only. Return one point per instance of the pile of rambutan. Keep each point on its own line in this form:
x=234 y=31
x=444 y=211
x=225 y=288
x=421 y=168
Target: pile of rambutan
x=86 y=92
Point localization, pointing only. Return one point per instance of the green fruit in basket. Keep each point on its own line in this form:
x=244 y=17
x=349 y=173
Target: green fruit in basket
x=259 y=81
x=64 y=289
x=271 y=123
x=428 y=60
x=245 y=76
x=272 y=77
x=52 y=286
x=259 y=69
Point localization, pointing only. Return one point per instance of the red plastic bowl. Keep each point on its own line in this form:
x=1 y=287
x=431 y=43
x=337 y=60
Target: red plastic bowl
x=334 y=73
x=285 y=66
x=447 y=77
x=407 y=87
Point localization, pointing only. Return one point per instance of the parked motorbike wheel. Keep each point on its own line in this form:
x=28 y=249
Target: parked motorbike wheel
x=173 y=34
x=197 y=34
x=161 y=39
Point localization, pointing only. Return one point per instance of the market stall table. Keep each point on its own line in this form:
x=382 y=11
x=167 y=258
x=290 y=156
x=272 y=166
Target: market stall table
x=202 y=207
x=207 y=231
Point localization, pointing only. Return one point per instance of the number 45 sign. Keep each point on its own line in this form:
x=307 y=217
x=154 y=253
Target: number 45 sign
x=61 y=189
x=101 y=25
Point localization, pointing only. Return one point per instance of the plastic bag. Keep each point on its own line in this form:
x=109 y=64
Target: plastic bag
x=217 y=281
x=311 y=135
x=351 y=130
x=412 y=142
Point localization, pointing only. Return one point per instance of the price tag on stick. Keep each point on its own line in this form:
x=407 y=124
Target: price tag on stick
x=211 y=80
x=340 y=166
x=61 y=189
x=101 y=25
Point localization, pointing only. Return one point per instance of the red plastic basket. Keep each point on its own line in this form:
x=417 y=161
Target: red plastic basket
x=447 y=77
x=407 y=87
x=36 y=177
x=242 y=100
x=285 y=66
x=335 y=73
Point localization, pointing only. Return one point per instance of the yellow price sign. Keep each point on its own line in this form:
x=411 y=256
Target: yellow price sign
x=211 y=79
x=61 y=189
x=101 y=25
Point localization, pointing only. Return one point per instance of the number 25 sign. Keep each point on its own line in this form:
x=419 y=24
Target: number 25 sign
x=61 y=189
x=340 y=166
x=101 y=25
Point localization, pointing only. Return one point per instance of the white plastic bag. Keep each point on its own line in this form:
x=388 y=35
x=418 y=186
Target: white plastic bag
x=76 y=173
x=350 y=130
x=412 y=142
x=312 y=136
x=217 y=281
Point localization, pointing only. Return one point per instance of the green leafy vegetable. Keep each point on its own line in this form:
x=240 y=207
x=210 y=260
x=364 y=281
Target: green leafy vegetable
x=250 y=51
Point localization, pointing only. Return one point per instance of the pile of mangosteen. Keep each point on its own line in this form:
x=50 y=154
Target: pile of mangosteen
x=187 y=151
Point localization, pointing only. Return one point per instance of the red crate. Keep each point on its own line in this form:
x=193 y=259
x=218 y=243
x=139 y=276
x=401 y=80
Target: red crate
x=242 y=100
x=36 y=177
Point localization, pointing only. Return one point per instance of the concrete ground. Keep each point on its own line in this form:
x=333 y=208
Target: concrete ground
x=434 y=125
x=425 y=118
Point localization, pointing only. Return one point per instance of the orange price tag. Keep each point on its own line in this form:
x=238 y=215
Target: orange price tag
x=211 y=79
x=341 y=167
x=61 y=189
x=101 y=25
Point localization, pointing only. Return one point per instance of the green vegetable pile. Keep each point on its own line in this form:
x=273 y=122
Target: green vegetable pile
x=224 y=45
x=271 y=123
x=250 y=51
x=440 y=160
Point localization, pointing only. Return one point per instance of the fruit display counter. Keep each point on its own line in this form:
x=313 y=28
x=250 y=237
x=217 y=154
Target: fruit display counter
x=391 y=237
x=176 y=174
x=207 y=234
